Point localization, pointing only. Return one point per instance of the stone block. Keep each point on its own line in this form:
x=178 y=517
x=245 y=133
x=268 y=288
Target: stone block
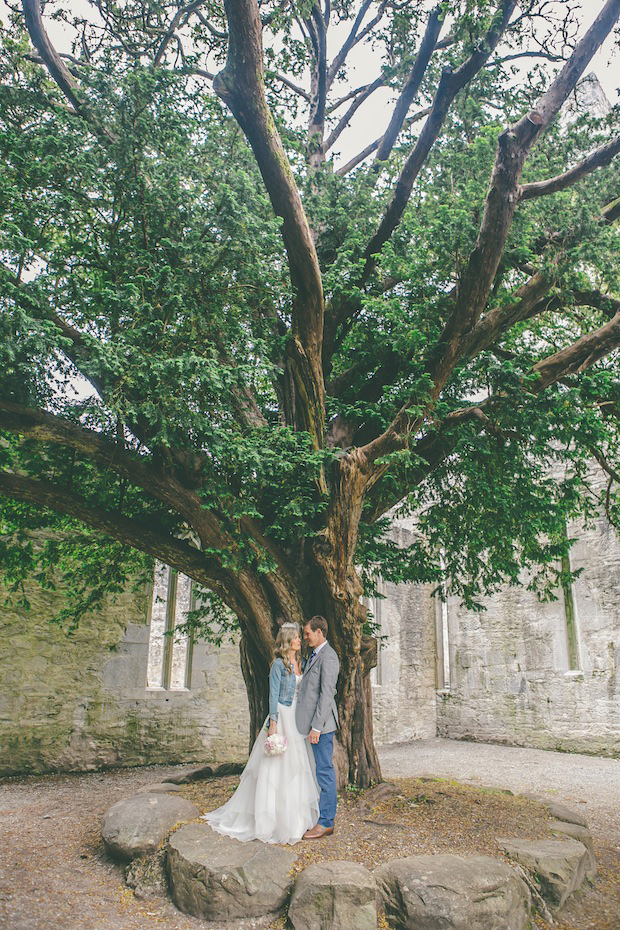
x=137 y=825
x=217 y=878
x=452 y=893
x=582 y=835
x=334 y=895
x=159 y=788
x=557 y=866
x=561 y=812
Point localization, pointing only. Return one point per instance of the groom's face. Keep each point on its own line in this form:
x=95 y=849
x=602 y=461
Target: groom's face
x=314 y=638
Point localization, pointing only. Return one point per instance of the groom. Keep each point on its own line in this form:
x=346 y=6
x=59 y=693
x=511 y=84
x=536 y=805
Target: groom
x=316 y=717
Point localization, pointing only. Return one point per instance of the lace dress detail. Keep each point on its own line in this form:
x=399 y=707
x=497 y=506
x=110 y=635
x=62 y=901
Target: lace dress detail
x=278 y=797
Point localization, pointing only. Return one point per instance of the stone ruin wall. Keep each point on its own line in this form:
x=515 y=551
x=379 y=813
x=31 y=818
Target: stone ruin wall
x=510 y=666
x=82 y=702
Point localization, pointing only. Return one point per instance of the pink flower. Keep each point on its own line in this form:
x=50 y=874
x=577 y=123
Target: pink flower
x=275 y=745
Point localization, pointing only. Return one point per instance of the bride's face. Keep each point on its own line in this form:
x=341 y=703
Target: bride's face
x=296 y=644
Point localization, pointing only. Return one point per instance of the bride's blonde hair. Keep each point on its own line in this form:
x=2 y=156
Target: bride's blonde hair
x=284 y=639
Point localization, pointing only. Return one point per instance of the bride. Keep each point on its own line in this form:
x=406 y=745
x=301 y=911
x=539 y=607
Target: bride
x=278 y=797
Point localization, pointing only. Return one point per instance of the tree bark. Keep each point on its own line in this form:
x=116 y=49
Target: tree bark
x=255 y=671
x=355 y=756
x=338 y=597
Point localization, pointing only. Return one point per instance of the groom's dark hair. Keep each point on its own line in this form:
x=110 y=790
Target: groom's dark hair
x=318 y=623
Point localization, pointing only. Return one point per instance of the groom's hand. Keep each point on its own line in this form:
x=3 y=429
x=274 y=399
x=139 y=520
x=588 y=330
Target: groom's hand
x=314 y=736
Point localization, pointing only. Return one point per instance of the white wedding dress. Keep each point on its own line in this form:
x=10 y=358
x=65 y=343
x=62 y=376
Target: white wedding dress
x=278 y=796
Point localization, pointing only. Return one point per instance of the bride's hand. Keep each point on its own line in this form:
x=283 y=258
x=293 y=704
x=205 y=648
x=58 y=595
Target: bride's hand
x=273 y=728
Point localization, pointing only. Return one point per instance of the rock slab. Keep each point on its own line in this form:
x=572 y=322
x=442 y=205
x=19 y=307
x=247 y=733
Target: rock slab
x=557 y=810
x=567 y=814
x=558 y=866
x=452 y=893
x=218 y=770
x=137 y=825
x=159 y=788
x=582 y=835
x=334 y=895
x=217 y=878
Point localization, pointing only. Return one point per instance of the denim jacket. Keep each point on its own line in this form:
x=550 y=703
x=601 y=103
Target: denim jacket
x=281 y=687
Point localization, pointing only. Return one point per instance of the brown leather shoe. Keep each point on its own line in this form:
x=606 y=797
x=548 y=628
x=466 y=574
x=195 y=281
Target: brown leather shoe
x=318 y=832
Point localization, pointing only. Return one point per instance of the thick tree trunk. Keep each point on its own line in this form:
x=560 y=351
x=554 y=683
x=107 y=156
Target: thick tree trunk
x=337 y=596
x=356 y=758
x=255 y=671
x=324 y=581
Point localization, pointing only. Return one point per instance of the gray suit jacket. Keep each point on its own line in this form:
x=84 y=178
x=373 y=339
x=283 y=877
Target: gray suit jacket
x=316 y=706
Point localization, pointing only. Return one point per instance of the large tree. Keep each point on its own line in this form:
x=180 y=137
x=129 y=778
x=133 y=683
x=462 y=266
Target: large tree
x=284 y=345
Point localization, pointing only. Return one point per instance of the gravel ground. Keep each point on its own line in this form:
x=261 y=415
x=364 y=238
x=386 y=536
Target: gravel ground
x=589 y=784
x=54 y=873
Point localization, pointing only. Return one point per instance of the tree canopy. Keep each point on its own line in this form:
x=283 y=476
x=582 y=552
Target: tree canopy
x=284 y=346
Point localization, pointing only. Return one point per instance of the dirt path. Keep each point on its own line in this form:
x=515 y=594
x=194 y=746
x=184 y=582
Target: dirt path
x=54 y=873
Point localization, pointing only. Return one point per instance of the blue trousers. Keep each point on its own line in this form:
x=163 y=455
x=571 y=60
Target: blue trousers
x=326 y=777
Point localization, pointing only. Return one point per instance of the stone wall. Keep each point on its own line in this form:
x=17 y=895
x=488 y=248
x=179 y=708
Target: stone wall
x=81 y=702
x=511 y=675
x=404 y=702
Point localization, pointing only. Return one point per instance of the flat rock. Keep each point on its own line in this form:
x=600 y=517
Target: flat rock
x=447 y=892
x=137 y=825
x=334 y=895
x=558 y=866
x=582 y=835
x=159 y=788
x=217 y=878
x=566 y=814
x=217 y=770
x=559 y=811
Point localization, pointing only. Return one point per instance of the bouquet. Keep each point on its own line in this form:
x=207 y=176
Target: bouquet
x=275 y=745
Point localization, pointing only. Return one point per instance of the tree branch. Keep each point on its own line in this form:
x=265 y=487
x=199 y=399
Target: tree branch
x=357 y=159
x=137 y=534
x=349 y=42
x=596 y=159
x=41 y=426
x=288 y=83
x=435 y=447
x=580 y=355
x=49 y=55
x=352 y=93
x=176 y=19
x=514 y=145
x=611 y=212
x=450 y=84
x=344 y=122
x=215 y=32
x=56 y=67
x=412 y=85
x=547 y=56
x=318 y=91
x=241 y=86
